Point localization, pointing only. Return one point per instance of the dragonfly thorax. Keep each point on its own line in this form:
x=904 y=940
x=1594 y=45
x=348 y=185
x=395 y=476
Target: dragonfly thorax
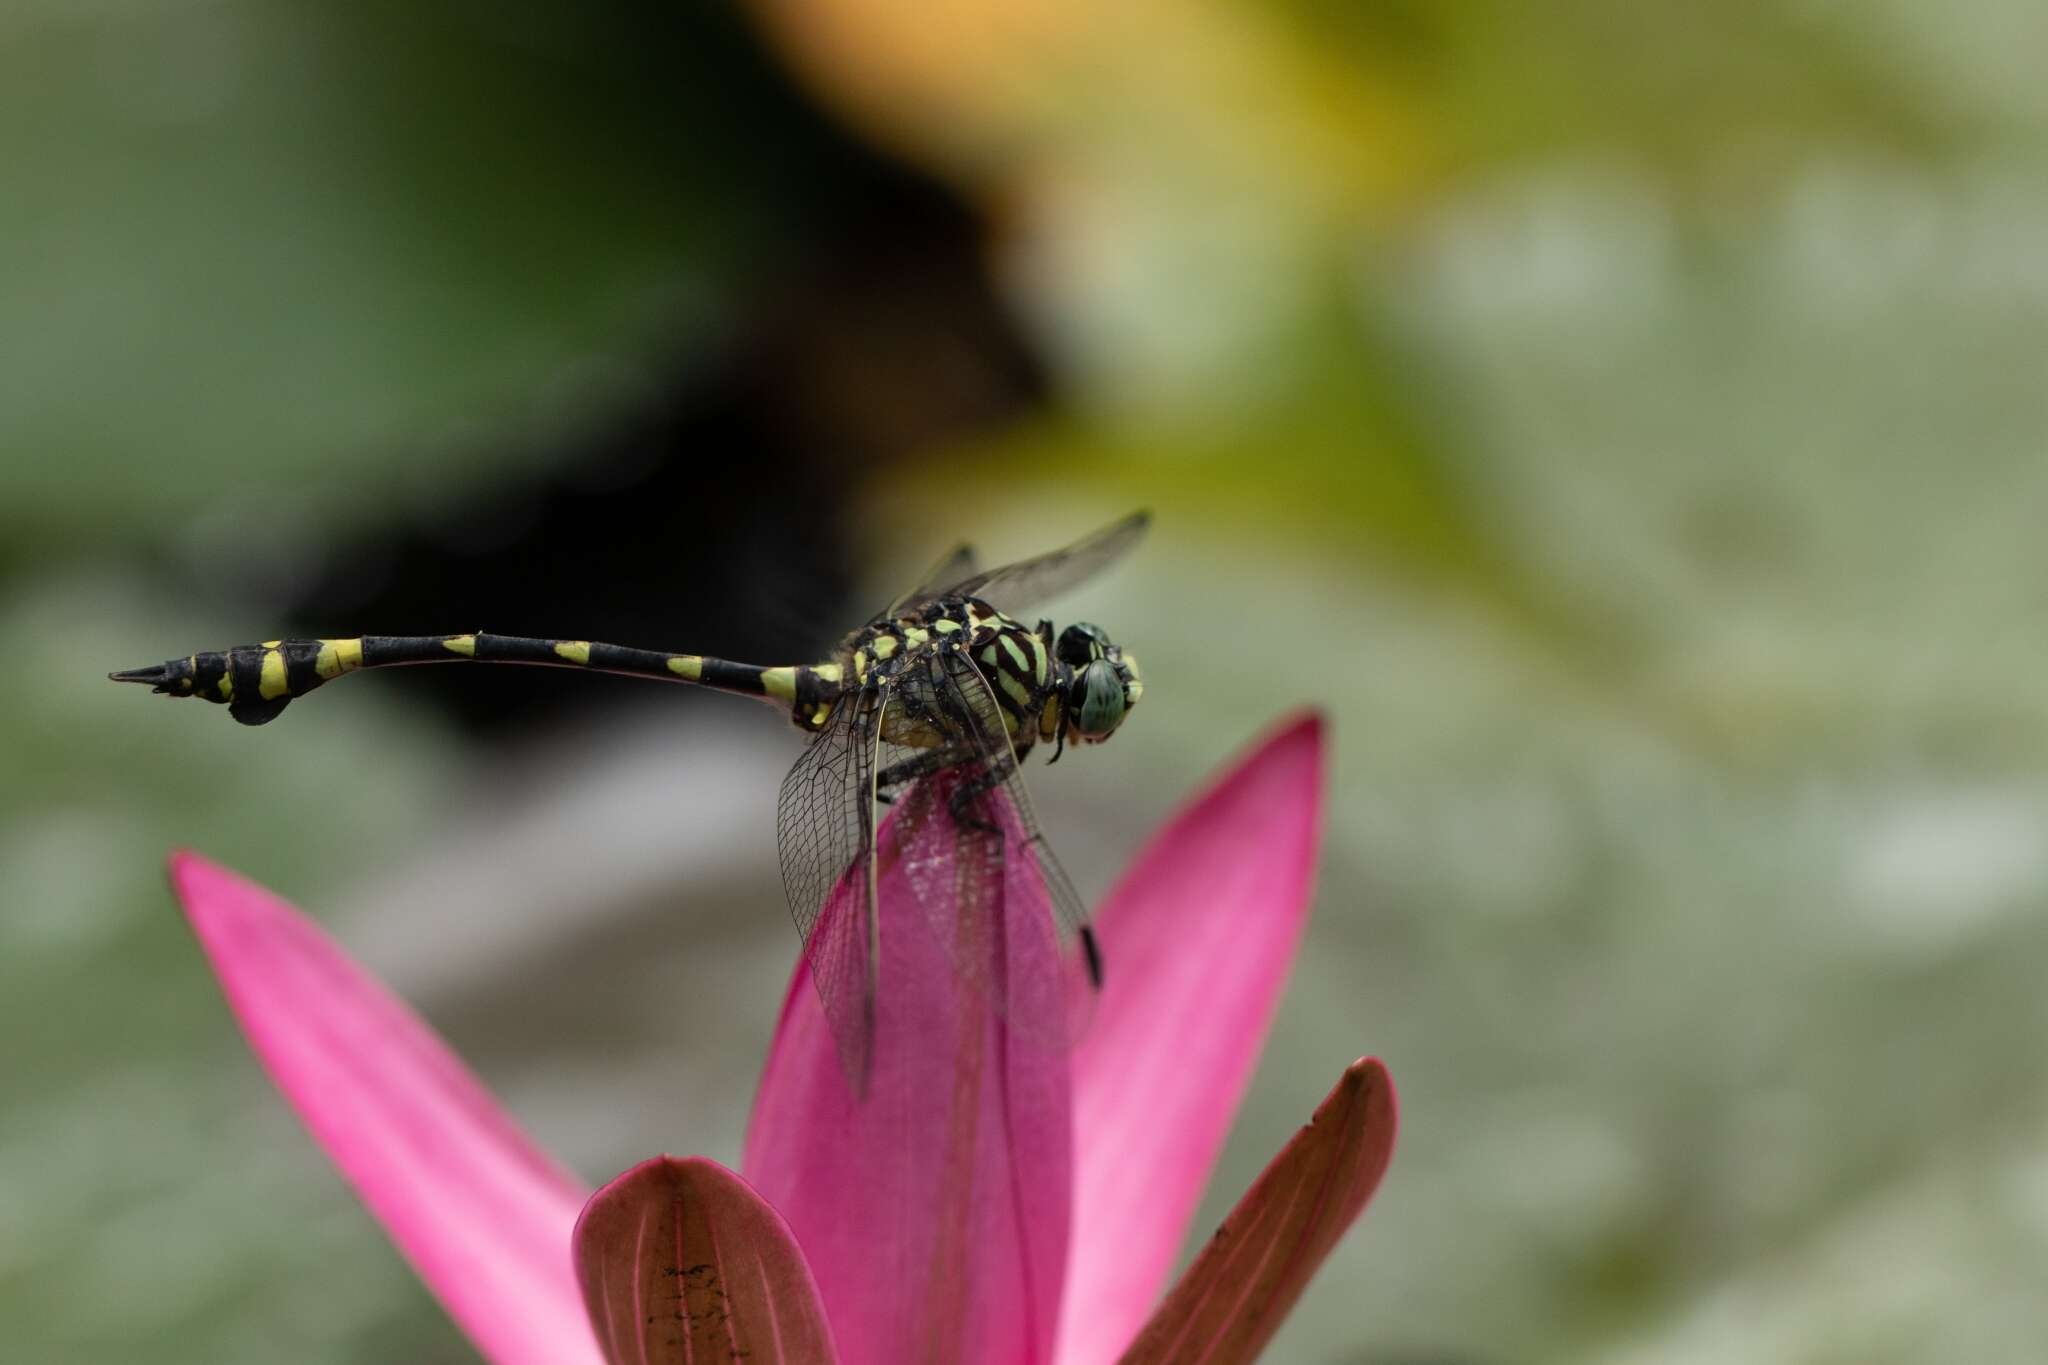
x=1075 y=688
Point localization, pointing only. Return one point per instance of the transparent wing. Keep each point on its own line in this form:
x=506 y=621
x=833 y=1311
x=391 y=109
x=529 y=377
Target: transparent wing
x=956 y=564
x=998 y=879
x=1016 y=587
x=992 y=739
x=825 y=830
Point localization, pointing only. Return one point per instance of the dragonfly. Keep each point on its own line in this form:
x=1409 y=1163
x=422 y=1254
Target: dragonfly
x=947 y=683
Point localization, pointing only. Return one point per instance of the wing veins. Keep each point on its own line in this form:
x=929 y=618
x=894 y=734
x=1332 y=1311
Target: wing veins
x=1015 y=587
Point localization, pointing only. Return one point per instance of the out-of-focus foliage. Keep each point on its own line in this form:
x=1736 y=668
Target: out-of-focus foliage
x=1626 y=420
x=268 y=260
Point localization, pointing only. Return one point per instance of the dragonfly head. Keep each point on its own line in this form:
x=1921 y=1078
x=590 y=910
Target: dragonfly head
x=1103 y=683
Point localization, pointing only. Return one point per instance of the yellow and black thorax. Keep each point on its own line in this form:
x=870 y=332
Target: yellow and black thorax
x=1037 y=682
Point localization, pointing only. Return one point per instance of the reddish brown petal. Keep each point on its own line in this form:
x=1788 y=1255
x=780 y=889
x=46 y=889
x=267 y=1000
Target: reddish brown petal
x=683 y=1264
x=1239 y=1290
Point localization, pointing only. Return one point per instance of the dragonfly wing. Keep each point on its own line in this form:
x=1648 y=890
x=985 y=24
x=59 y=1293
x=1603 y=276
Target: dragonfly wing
x=825 y=831
x=992 y=738
x=997 y=878
x=955 y=565
x=1017 y=587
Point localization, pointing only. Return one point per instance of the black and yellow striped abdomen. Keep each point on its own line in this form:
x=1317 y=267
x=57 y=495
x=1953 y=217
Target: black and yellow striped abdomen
x=256 y=682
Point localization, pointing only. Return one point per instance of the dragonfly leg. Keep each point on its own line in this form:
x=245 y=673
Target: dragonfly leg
x=897 y=776
x=968 y=792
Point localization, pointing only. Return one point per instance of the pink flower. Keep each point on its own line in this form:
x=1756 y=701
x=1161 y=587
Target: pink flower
x=996 y=1198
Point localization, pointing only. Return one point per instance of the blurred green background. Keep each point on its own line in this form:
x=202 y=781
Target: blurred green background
x=1626 y=420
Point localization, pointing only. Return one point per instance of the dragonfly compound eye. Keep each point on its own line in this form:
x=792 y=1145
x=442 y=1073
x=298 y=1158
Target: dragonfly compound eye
x=1097 y=700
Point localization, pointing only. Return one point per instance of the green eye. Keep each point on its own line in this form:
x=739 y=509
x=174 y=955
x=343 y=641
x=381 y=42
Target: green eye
x=1102 y=699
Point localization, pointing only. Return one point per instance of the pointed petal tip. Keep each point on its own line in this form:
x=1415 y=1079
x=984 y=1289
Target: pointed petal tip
x=1368 y=1084
x=1297 y=742
x=660 y=1168
x=1247 y=1279
x=210 y=894
x=1306 y=733
x=654 y=1170
x=1307 y=724
x=194 y=878
x=1371 y=1073
x=182 y=862
x=485 y=1222
x=1291 y=755
x=1359 y=1119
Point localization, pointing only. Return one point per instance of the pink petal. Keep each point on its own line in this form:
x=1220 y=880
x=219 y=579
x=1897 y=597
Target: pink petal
x=934 y=1212
x=1242 y=1286
x=1197 y=939
x=683 y=1264
x=483 y=1216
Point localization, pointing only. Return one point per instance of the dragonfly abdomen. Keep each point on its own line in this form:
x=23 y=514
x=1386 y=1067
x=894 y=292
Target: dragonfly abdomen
x=256 y=682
